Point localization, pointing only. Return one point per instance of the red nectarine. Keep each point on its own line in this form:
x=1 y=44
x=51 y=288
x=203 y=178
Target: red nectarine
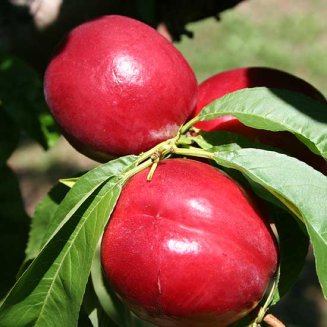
x=189 y=248
x=117 y=87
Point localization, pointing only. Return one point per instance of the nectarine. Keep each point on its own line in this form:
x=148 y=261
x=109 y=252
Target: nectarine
x=117 y=87
x=189 y=248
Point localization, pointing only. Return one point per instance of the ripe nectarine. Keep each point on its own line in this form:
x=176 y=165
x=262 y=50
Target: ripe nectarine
x=117 y=87
x=189 y=248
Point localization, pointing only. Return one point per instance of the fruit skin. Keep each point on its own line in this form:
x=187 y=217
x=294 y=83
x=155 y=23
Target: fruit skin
x=189 y=248
x=246 y=77
x=117 y=87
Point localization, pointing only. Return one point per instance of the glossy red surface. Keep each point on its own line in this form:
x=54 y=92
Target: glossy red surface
x=188 y=248
x=247 y=77
x=117 y=87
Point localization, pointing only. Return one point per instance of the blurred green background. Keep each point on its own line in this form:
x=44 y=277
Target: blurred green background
x=289 y=35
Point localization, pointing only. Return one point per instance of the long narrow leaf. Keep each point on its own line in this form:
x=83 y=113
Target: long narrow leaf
x=52 y=288
x=47 y=224
x=276 y=110
x=50 y=291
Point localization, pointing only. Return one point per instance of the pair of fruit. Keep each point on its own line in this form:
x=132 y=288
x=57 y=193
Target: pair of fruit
x=179 y=250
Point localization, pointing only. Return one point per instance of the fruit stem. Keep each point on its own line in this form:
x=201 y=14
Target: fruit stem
x=137 y=169
x=161 y=148
x=154 y=155
x=189 y=124
x=155 y=160
x=193 y=152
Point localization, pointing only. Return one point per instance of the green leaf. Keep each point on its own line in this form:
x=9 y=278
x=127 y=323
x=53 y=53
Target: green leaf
x=21 y=94
x=275 y=110
x=46 y=225
x=52 y=287
x=14 y=225
x=299 y=187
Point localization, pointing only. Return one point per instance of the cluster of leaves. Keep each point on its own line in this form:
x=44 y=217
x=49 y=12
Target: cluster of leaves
x=61 y=280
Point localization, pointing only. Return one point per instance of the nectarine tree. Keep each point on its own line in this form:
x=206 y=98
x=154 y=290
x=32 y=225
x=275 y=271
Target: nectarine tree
x=183 y=243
